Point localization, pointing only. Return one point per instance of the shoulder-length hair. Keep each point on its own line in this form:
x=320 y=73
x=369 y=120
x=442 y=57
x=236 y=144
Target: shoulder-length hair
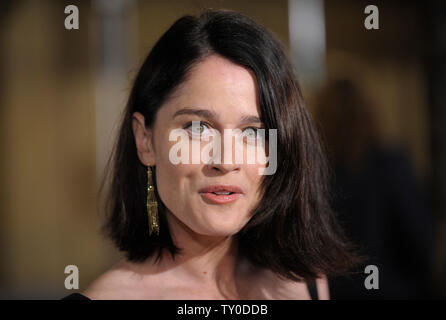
x=293 y=231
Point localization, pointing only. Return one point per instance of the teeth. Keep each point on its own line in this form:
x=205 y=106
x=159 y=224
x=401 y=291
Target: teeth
x=221 y=192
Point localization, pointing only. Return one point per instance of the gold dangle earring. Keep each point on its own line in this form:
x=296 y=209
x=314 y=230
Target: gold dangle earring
x=152 y=204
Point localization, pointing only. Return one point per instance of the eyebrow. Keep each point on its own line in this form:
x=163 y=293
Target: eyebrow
x=208 y=114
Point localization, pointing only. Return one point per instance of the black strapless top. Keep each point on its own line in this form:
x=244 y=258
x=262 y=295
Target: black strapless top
x=311 y=288
x=76 y=296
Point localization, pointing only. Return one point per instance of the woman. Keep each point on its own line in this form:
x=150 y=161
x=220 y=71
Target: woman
x=184 y=240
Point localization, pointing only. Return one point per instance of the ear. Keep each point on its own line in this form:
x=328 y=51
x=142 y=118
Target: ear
x=143 y=140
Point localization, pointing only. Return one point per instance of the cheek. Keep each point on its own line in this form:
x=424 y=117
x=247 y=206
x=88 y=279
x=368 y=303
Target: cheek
x=173 y=179
x=254 y=175
x=256 y=169
x=174 y=189
x=168 y=175
x=254 y=179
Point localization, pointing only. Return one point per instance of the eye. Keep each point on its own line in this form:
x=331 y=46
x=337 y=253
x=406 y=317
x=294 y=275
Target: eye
x=197 y=127
x=251 y=133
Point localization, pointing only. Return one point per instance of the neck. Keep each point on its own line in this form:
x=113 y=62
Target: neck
x=205 y=260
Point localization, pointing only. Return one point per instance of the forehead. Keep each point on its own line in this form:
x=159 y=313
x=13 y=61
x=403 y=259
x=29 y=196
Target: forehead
x=223 y=72
x=219 y=85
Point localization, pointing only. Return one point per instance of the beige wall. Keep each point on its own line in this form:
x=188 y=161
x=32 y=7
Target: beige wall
x=49 y=153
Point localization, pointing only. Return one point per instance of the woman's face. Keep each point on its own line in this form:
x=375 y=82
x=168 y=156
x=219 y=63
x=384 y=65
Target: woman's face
x=229 y=92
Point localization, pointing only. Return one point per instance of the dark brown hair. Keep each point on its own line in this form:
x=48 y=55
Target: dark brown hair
x=293 y=231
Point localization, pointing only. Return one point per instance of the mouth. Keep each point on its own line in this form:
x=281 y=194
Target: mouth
x=221 y=194
x=221 y=198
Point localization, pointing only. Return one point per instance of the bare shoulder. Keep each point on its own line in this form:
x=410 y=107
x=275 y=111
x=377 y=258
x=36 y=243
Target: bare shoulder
x=323 y=290
x=116 y=283
x=262 y=283
x=296 y=290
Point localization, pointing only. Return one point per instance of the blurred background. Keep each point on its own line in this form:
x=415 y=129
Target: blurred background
x=376 y=95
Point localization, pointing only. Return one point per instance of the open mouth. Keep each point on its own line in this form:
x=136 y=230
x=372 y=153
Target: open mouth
x=221 y=197
x=223 y=193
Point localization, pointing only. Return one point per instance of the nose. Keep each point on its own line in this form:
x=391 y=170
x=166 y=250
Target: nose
x=227 y=161
x=225 y=167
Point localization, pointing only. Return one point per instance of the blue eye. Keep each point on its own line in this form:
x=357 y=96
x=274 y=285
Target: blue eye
x=251 y=132
x=197 y=129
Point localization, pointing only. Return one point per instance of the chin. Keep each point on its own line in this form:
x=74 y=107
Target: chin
x=220 y=230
